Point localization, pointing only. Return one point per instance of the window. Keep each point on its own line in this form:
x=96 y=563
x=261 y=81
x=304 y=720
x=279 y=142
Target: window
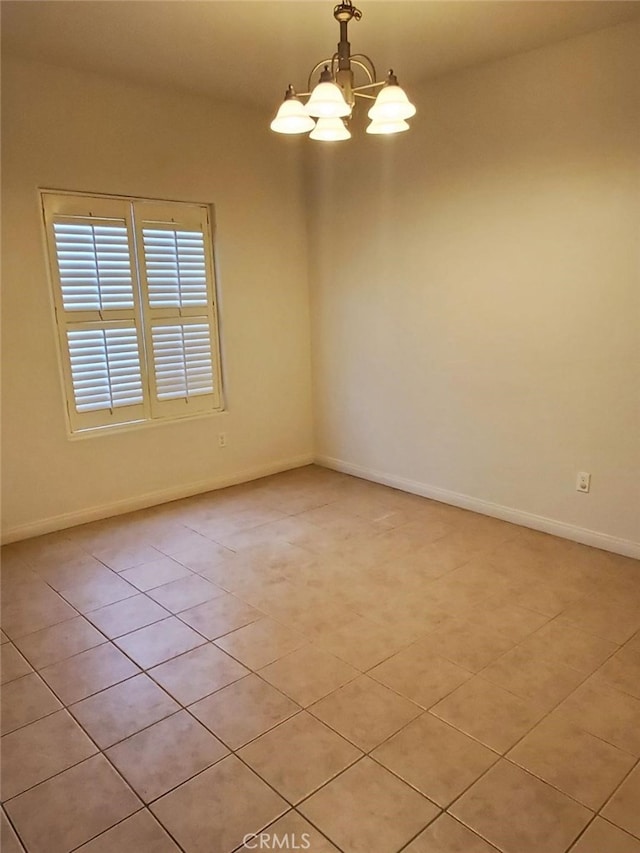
x=134 y=300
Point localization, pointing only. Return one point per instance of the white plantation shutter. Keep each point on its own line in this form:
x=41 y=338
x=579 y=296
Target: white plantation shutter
x=105 y=366
x=180 y=322
x=134 y=298
x=94 y=265
x=176 y=268
x=98 y=309
x=182 y=359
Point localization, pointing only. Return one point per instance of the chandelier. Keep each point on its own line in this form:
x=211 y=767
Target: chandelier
x=330 y=103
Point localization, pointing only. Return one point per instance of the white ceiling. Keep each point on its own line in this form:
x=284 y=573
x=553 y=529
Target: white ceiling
x=251 y=49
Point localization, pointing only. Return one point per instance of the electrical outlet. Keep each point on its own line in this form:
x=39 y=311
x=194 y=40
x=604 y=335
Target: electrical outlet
x=583 y=481
x=222 y=439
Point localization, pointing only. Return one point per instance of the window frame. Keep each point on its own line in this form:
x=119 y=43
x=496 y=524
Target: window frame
x=78 y=203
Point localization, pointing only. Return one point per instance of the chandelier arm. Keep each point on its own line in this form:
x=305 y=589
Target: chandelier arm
x=363 y=95
x=370 y=68
x=375 y=85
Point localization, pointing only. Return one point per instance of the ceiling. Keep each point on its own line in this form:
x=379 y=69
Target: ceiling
x=251 y=49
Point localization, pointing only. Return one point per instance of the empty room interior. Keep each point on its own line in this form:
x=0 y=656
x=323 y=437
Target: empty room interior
x=320 y=426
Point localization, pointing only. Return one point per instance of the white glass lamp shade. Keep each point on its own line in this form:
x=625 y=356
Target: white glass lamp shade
x=387 y=127
x=292 y=117
x=330 y=130
x=391 y=104
x=327 y=101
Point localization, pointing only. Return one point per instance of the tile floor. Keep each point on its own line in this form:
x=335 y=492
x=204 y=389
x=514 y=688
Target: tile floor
x=340 y=665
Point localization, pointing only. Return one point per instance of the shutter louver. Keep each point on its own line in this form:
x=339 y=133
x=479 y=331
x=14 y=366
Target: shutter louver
x=94 y=266
x=175 y=267
x=105 y=368
x=182 y=360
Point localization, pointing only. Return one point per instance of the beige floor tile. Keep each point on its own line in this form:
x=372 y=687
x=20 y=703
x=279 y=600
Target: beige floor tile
x=467 y=644
x=413 y=611
x=197 y=673
x=89 y=595
x=542 y=598
x=13 y=664
x=32 y=612
x=96 y=669
x=315 y=620
x=435 y=759
x=602 y=837
x=185 y=592
x=277 y=597
x=159 y=642
x=535 y=679
x=140 y=833
x=154 y=574
x=40 y=750
x=299 y=756
x=488 y=713
x=9 y=842
x=363 y=643
x=126 y=616
x=563 y=642
x=203 y=556
x=3 y=639
x=59 y=642
x=572 y=760
x=446 y=835
x=60 y=814
x=244 y=710
x=172 y=538
x=78 y=571
x=308 y=674
x=437 y=558
x=122 y=710
x=606 y=620
x=24 y=701
x=623 y=671
x=217 y=808
x=622 y=809
x=22 y=590
x=166 y=754
x=520 y=814
x=221 y=616
x=365 y=712
x=508 y=618
x=605 y=712
x=261 y=642
x=295 y=833
x=420 y=677
x=367 y=808
x=127 y=555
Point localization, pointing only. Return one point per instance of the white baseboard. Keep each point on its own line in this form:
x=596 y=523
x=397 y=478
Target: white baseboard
x=94 y=513
x=626 y=547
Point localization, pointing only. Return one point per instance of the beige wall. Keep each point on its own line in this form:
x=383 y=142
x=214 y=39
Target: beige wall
x=69 y=131
x=475 y=291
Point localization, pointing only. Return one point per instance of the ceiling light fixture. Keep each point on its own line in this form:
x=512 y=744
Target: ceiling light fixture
x=332 y=100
